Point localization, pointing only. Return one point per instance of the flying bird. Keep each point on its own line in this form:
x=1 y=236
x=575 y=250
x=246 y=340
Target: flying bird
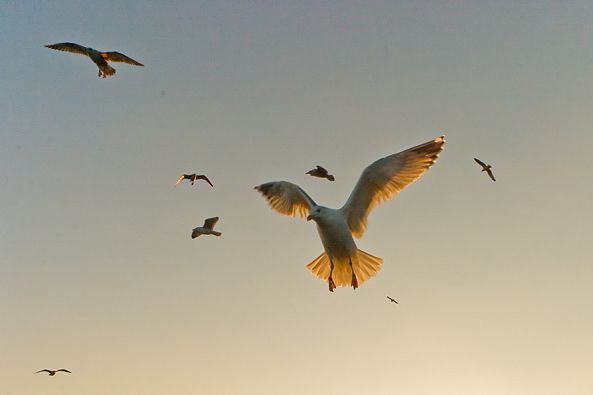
x=486 y=168
x=100 y=58
x=53 y=372
x=206 y=229
x=321 y=173
x=192 y=178
x=342 y=263
x=393 y=300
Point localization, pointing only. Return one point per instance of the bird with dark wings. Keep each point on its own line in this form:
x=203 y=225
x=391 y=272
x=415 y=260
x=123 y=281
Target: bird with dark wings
x=321 y=173
x=486 y=168
x=53 y=372
x=98 y=57
x=192 y=178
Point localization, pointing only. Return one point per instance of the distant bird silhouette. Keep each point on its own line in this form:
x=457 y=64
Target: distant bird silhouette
x=393 y=300
x=192 y=178
x=100 y=58
x=321 y=173
x=486 y=168
x=53 y=372
x=206 y=229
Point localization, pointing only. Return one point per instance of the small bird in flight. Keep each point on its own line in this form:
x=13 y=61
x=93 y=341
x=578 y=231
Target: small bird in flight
x=53 y=372
x=393 y=300
x=486 y=168
x=192 y=178
x=100 y=58
x=342 y=263
x=206 y=229
x=321 y=173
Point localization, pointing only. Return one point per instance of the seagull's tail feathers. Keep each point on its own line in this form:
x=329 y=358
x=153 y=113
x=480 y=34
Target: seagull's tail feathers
x=320 y=267
x=215 y=233
x=107 y=70
x=364 y=264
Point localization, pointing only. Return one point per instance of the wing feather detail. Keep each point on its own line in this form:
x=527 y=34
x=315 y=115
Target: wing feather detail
x=69 y=47
x=484 y=165
x=119 y=57
x=210 y=222
x=286 y=198
x=385 y=178
x=203 y=177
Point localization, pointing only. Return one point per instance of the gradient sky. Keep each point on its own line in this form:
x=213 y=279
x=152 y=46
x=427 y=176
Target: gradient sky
x=98 y=273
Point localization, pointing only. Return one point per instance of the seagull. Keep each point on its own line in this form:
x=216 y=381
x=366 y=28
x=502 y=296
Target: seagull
x=342 y=263
x=321 y=173
x=53 y=372
x=192 y=178
x=393 y=300
x=486 y=168
x=206 y=229
x=100 y=58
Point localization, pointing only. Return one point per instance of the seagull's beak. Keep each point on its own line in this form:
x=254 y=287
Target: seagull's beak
x=309 y=217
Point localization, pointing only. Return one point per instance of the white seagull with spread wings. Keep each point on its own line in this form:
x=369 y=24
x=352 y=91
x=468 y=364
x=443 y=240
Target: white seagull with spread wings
x=343 y=264
x=100 y=58
x=206 y=229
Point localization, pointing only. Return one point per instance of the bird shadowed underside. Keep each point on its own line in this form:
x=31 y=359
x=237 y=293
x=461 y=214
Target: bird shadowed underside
x=53 y=372
x=486 y=168
x=98 y=57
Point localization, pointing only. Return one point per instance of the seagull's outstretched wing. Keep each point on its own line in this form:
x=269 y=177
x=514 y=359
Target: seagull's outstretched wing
x=210 y=222
x=119 y=57
x=203 y=177
x=484 y=165
x=286 y=198
x=490 y=174
x=181 y=178
x=68 y=47
x=385 y=178
x=63 y=370
x=43 y=370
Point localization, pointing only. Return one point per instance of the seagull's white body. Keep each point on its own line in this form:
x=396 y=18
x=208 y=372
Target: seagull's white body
x=342 y=263
x=335 y=234
x=206 y=229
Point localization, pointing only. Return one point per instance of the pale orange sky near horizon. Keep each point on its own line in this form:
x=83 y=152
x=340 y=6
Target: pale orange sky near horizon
x=99 y=275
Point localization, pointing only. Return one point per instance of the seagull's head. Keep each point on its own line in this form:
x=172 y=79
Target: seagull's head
x=316 y=213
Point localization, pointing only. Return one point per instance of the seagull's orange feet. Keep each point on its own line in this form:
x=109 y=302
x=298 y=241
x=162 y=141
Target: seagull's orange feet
x=331 y=284
x=354 y=281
